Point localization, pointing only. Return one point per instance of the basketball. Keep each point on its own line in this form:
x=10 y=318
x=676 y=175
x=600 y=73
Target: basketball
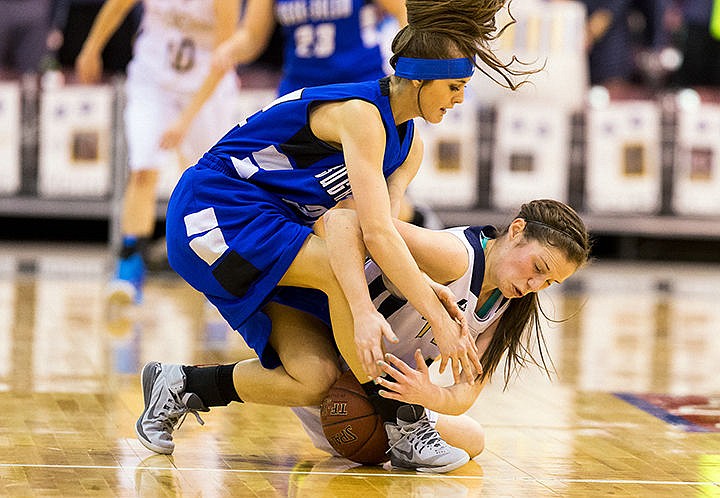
x=350 y=423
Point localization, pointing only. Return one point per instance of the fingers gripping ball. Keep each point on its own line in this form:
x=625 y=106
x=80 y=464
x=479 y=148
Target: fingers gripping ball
x=350 y=423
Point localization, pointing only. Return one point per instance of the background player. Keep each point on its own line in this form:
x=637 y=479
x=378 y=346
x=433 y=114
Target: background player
x=340 y=43
x=170 y=80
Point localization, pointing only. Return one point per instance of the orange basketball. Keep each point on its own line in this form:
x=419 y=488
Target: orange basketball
x=350 y=423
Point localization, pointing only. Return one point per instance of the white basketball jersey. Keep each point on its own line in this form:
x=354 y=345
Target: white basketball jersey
x=175 y=43
x=411 y=328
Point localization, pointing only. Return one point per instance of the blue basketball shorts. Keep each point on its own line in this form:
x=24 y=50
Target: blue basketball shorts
x=233 y=242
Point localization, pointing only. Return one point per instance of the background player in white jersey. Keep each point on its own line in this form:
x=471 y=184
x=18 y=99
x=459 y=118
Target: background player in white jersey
x=175 y=100
x=493 y=277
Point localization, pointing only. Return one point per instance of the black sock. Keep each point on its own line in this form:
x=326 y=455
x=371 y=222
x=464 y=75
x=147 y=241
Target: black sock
x=213 y=384
x=132 y=244
x=386 y=408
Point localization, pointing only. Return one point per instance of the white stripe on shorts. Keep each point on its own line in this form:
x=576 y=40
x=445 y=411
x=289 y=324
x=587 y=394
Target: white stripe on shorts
x=209 y=247
x=202 y=221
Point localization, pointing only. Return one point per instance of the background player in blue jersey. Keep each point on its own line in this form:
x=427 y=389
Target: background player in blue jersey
x=493 y=276
x=323 y=41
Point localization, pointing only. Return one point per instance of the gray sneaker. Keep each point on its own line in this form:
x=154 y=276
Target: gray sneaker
x=165 y=402
x=416 y=445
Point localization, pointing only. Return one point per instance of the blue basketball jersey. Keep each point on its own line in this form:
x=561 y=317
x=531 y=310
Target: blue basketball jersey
x=275 y=149
x=237 y=219
x=328 y=41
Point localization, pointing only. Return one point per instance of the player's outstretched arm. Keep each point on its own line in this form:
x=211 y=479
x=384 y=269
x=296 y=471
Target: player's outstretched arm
x=88 y=65
x=413 y=385
x=226 y=15
x=356 y=125
x=346 y=251
x=250 y=39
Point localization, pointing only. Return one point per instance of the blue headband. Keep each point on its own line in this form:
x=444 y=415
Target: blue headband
x=434 y=69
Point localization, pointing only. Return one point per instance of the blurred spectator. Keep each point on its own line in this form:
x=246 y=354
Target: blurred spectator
x=24 y=26
x=71 y=22
x=608 y=41
x=700 y=49
x=620 y=34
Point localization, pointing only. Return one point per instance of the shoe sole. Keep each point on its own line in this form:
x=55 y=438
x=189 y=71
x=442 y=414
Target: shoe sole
x=446 y=468
x=147 y=379
x=434 y=470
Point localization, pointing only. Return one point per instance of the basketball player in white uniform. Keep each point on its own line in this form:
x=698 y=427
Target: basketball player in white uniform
x=175 y=100
x=486 y=273
x=413 y=333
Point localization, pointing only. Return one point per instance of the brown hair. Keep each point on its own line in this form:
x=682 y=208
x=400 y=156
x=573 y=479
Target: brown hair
x=446 y=29
x=552 y=223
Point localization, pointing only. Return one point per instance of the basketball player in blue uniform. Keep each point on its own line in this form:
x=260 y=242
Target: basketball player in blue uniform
x=239 y=223
x=494 y=278
x=324 y=41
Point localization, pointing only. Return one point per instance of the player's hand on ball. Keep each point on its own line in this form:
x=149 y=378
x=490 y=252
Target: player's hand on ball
x=410 y=385
x=370 y=329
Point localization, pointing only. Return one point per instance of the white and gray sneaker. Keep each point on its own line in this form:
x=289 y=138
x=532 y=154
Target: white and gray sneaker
x=416 y=445
x=165 y=402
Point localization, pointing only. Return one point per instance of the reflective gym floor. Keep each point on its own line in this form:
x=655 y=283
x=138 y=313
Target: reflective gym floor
x=634 y=409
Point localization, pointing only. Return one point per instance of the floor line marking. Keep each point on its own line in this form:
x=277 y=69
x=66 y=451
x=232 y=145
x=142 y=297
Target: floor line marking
x=365 y=474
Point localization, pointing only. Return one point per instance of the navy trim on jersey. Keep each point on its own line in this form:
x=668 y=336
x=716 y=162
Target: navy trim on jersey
x=390 y=305
x=472 y=234
x=304 y=155
x=376 y=287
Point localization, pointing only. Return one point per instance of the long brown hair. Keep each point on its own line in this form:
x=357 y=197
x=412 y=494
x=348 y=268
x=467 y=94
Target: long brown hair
x=445 y=29
x=519 y=331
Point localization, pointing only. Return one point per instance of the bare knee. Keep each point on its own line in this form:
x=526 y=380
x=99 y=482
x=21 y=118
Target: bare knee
x=462 y=432
x=317 y=377
x=475 y=441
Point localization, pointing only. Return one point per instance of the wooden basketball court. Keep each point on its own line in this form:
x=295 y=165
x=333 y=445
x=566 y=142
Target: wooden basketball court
x=634 y=409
